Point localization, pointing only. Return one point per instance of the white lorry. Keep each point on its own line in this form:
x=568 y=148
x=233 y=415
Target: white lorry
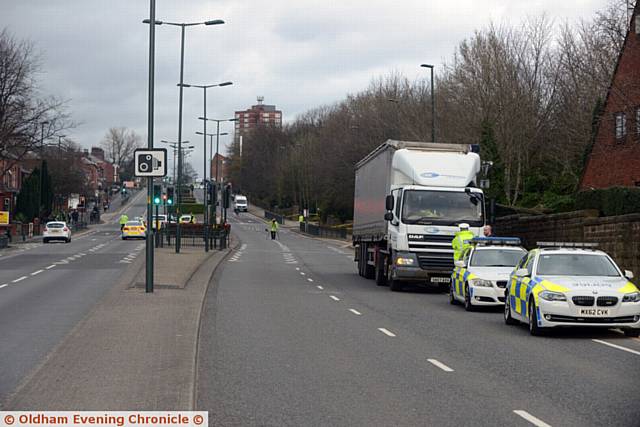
x=240 y=203
x=409 y=199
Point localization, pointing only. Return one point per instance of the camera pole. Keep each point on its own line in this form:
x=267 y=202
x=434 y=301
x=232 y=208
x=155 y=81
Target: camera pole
x=149 y=243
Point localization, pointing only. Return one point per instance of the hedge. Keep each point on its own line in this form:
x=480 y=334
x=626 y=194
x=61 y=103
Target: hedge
x=611 y=201
x=192 y=208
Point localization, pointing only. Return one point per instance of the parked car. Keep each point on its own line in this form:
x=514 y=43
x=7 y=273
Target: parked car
x=187 y=219
x=159 y=221
x=56 y=230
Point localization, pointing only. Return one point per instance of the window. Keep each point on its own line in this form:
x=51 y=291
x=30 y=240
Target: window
x=621 y=125
x=638 y=121
x=398 y=197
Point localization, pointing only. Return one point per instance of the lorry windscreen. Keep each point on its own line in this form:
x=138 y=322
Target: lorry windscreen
x=442 y=208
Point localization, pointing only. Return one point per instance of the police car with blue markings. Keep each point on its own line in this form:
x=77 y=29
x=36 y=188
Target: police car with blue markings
x=569 y=284
x=481 y=276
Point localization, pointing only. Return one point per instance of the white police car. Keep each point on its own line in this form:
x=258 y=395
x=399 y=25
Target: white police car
x=481 y=276
x=564 y=284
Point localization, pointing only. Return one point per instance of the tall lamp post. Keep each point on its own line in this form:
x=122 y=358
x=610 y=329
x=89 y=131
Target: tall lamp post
x=182 y=26
x=433 y=105
x=40 y=181
x=204 y=143
x=211 y=135
x=217 y=150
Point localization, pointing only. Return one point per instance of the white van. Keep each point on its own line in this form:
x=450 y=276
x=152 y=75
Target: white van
x=240 y=203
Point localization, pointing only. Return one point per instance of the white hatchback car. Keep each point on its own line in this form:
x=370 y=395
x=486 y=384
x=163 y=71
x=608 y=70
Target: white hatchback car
x=56 y=230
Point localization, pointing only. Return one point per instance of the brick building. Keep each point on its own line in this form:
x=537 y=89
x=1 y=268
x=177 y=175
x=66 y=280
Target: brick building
x=224 y=162
x=615 y=157
x=258 y=115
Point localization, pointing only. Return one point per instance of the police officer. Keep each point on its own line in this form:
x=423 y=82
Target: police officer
x=461 y=241
x=274 y=228
x=123 y=220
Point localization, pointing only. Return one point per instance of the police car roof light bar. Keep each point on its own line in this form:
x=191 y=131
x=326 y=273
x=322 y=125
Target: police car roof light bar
x=585 y=245
x=496 y=241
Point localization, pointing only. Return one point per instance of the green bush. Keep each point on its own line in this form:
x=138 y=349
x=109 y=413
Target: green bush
x=611 y=201
x=192 y=208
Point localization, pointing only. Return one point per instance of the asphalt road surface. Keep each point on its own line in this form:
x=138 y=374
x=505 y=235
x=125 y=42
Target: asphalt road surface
x=291 y=335
x=46 y=289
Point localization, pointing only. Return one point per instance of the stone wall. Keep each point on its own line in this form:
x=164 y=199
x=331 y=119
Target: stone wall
x=619 y=236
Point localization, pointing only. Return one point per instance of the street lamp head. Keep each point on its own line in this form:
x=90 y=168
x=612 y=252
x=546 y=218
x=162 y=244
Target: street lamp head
x=226 y=84
x=224 y=133
x=214 y=22
x=426 y=65
x=148 y=21
x=202 y=118
x=234 y=120
x=183 y=85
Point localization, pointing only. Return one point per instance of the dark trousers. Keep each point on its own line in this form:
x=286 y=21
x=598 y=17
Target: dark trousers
x=273 y=235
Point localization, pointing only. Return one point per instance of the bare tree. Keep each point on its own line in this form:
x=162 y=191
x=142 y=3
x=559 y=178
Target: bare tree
x=119 y=143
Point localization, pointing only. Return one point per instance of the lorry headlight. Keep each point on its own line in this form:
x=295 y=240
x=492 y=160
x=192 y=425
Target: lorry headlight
x=405 y=261
x=552 y=296
x=632 y=297
x=481 y=283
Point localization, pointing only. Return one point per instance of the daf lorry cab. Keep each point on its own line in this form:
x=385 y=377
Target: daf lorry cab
x=409 y=199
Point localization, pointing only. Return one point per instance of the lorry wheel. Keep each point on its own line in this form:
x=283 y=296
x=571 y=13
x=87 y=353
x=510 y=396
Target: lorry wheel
x=368 y=271
x=381 y=277
x=360 y=270
x=635 y=333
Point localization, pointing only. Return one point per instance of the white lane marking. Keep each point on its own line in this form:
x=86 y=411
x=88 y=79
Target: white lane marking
x=440 y=365
x=387 y=332
x=35 y=273
x=333 y=297
x=4 y=286
x=50 y=267
x=619 y=347
x=297 y=268
x=356 y=312
x=310 y=279
x=93 y=240
x=302 y=273
x=533 y=420
x=319 y=287
x=19 y=279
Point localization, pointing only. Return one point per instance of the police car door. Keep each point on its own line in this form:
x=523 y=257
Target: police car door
x=518 y=289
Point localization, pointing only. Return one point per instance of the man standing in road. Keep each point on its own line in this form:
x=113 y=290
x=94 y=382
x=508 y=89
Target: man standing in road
x=274 y=229
x=123 y=220
x=461 y=241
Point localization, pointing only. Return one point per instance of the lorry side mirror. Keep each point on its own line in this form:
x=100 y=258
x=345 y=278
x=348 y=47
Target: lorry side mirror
x=389 y=202
x=388 y=216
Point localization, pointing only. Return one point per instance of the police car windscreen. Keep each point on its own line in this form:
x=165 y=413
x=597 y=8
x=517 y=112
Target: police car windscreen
x=496 y=258
x=576 y=265
x=441 y=208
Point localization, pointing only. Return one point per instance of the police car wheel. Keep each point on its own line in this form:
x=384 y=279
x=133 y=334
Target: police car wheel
x=534 y=329
x=452 y=298
x=467 y=299
x=507 y=313
x=632 y=333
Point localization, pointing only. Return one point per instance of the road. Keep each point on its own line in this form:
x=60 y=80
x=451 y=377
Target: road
x=291 y=335
x=45 y=290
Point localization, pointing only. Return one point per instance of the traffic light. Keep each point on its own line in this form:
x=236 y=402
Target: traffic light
x=211 y=193
x=157 y=190
x=226 y=197
x=169 y=195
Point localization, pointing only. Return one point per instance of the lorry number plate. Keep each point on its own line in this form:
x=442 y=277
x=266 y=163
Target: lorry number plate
x=440 y=279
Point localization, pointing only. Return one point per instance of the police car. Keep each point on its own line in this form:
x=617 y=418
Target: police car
x=480 y=277
x=569 y=284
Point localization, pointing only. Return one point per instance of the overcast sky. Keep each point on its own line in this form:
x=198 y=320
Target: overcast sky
x=298 y=54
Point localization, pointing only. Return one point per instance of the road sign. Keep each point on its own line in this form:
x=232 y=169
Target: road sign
x=4 y=217
x=150 y=163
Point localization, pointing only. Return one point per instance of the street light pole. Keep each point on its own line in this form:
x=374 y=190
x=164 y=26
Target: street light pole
x=433 y=105
x=150 y=232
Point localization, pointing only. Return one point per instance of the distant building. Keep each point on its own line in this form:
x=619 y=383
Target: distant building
x=615 y=157
x=224 y=162
x=258 y=115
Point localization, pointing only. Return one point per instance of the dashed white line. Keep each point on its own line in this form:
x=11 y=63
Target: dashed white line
x=356 y=312
x=387 y=332
x=297 y=268
x=19 y=279
x=50 y=267
x=35 y=273
x=4 y=286
x=310 y=279
x=302 y=273
x=319 y=287
x=619 y=347
x=533 y=420
x=333 y=297
x=440 y=365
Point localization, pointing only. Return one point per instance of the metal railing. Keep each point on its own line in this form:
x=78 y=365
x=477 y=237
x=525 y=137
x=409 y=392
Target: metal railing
x=320 y=231
x=192 y=235
x=270 y=215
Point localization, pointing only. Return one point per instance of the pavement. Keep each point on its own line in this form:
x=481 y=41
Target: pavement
x=291 y=335
x=123 y=348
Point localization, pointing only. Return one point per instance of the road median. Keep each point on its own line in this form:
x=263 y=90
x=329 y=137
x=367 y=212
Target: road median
x=133 y=351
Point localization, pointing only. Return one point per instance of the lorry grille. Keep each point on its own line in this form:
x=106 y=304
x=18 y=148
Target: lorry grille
x=436 y=261
x=584 y=301
x=607 y=301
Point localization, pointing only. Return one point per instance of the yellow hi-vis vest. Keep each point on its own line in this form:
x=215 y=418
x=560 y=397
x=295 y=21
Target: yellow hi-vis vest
x=460 y=243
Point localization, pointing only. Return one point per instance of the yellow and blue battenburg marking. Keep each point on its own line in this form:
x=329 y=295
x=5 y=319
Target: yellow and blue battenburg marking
x=458 y=278
x=523 y=287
